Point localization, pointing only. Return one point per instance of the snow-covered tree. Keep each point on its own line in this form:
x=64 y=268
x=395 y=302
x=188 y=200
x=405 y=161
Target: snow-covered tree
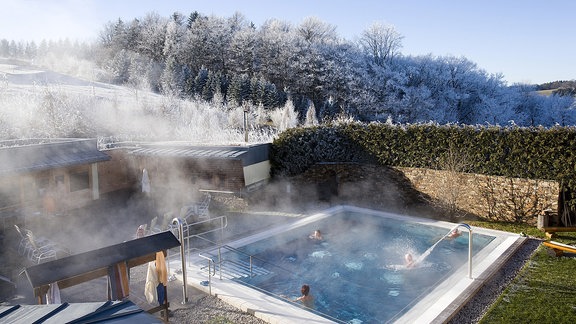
x=153 y=37
x=314 y=31
x=311 y=119
x=381 y=42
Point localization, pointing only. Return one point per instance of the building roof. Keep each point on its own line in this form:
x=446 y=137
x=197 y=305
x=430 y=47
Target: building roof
x=247 y=154
x=23 y=156
x=102 y=312
x=192 y=152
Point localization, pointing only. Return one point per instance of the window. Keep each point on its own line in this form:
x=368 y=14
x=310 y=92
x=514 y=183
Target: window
x=79 y=181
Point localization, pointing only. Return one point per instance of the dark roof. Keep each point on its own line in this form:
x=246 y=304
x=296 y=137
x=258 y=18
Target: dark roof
x=101 y=312
x=84 y=263
x=247 y=154
x=192 y=152
x=28 y=156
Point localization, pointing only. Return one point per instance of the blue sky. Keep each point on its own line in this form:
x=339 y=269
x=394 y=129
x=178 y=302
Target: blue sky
x=527 y=41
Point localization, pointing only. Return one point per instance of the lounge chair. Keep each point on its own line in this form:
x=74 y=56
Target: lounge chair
x=154 y=227
x=38 y=253
x=44 y=249
x=24 y=243
x=141 y=231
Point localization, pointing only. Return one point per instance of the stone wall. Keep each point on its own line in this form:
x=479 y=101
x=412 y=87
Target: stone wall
x=497 y=198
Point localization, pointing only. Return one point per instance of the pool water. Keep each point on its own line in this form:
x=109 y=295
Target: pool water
x=356 y=273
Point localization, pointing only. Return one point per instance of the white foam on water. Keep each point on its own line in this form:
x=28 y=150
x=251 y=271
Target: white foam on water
x=354 y=265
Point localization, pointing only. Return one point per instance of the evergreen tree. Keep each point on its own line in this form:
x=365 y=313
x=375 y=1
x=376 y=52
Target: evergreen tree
x=270 y=98
x=311 y=119
x=200 y=81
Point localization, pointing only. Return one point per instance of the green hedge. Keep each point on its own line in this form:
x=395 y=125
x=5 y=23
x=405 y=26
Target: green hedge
x=534 y=153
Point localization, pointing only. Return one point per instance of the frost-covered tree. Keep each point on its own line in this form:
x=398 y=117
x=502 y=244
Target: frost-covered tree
x=275 y=53
x=285 y=117
x=120 y=67
x=314 y=31
x=257 y=90
x=558 y=110
x=31 y=50
x=4 y=47
x=172 y=77
x=381 y=42
x=206 y=44
x=153 y=37
x=242 y=51
x=239 y=90
x=311 y=119
x=368 y=80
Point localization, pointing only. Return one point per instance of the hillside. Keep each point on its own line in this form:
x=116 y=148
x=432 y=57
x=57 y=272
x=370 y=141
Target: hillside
x=38 y=102
x=562 y=88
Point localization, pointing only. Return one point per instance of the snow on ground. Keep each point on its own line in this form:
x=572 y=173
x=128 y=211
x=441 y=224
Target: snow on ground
x=39 y=102
x=23 y=77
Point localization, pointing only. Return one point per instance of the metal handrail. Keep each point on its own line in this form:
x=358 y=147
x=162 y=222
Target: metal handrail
x=186 y=228
x=232 y=249
x=210 y=261
x=179 y=223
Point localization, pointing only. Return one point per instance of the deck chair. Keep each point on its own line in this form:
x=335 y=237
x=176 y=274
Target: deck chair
x=25 y=246
x=44 y=248
x=154 y=227
x=38 y=253
x=141 y=231
x=24 y=243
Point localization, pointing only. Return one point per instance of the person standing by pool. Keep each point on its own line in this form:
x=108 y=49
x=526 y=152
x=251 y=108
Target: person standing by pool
x=306 y=299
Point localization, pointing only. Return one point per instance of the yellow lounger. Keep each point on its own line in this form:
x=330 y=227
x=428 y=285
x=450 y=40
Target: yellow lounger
x=559 y=248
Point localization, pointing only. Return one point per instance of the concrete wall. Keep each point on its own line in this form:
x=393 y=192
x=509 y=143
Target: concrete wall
x=496 y=198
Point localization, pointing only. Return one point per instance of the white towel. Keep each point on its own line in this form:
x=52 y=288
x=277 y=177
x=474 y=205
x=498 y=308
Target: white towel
x=151 y=283
x=53 y=294
x=145 y=182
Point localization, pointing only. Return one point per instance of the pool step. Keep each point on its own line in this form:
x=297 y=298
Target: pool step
x=239 y=269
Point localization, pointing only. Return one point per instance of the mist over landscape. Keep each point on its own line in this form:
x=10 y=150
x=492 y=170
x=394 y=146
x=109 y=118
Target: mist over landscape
x=191 y=77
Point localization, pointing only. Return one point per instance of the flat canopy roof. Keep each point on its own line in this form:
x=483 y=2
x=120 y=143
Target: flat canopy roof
x=93 y=264
x=247 y=154
x=37 y=155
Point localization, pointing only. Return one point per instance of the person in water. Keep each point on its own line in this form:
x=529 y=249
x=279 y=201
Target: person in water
x=408 y=260
x=306 y=299
x=454 y=234
x=317 y=235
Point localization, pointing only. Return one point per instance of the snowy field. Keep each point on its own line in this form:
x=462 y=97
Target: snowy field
x=36 y=102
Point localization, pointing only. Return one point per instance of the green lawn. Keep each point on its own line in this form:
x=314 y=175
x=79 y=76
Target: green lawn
x=544 y=290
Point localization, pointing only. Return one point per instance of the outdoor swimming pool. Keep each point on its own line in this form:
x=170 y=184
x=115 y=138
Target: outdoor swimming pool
x=356 y=273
